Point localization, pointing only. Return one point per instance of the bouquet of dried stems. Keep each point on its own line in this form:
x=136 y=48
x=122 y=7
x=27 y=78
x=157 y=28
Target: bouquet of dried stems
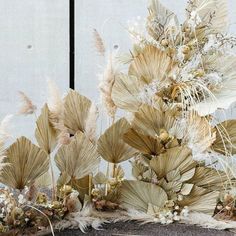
x=181 y=155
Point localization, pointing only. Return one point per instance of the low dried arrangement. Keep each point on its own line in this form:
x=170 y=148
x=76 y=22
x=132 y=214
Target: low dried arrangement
x=182 y=158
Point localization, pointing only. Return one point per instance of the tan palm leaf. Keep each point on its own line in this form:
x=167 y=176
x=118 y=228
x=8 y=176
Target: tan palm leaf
x=79 y=158
x=45 y=133
x=160 y=19
x=144 y=143
x=225 y=142
x=125 y=92
x=200 y=200
x=152 y=64
x=174 y=158
x=27 y=162
x=111 y=146
x=138 y=195
x=209 y=178
x=76 y=111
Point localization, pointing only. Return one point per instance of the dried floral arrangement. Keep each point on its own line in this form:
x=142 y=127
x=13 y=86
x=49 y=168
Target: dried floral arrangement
x=174 y=79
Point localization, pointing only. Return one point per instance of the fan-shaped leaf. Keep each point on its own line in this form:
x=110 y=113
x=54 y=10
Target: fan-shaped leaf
x=27 y=162
x=76 y=111
x=138 y=195
x=174 y=158
x=111 y=145
x=45 y=134
x=79 y=158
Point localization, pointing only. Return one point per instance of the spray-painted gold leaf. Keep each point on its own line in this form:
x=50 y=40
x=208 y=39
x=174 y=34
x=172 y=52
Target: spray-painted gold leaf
x=79 y=158
x=138 y=195
x=111 y=146
x=76 y=111
x=144 y=143
x=175 y=158
x=125 y=92
x=27 y=162
x=45 y=134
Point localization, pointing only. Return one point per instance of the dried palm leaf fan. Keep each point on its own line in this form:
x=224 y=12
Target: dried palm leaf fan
x=225 y=142
x=76 y=110
x=27 y=162
x=111 y=146
x=79 y=158
x=125 y=92
x=139 y=195
x=160 y=20
x=45 y=133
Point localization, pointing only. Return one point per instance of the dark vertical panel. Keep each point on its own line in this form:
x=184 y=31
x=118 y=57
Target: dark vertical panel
x=72 y=43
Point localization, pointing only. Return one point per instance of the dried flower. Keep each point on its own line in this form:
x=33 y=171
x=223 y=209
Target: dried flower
x=27 y=105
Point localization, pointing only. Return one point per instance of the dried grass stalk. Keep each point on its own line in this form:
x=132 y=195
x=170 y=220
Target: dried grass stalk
x=27 y=105
x=98 y=43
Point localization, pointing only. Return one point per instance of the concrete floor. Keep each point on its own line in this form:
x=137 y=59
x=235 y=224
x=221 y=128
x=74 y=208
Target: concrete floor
x=134 y=229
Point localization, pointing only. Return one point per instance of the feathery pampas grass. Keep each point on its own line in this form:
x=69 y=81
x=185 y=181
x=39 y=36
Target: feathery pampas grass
x=106 y=84
x=98 y=43
x=27 y=106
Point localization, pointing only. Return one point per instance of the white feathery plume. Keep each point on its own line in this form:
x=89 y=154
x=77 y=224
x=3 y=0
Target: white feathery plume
x=106 y=84
x=55 y=105
x=27 y=106
x=90 y=127
x=98 y=43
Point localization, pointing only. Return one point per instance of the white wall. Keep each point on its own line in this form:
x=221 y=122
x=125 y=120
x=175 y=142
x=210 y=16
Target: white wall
x=34 y=46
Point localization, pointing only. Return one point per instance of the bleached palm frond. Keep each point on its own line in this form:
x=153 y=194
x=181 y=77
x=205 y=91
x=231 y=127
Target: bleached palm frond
x=27 y=106
x=99 y=43
x=45 y=134
x=211 y=13
x=79 y=158
x=160 y=20
x=125 y=92
x=225 y=142
x=209 y=178
x=174 y=158
x=76 y=112
x=91 y=123
x=152 y=64
x=144 y=143
x=200 y=200
x=111 y=146
x=107 y=80
x=27 y=162
x=138 y=195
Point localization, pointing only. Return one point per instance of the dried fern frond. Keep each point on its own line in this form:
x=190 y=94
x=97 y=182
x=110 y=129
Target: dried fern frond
x=111 y=146
x=160 y=20
x=138 y=195
x=98 y=43
x=27 y=106
x=76 y=112
x=125 y=92
x=27 y=162
x=106 y=84
x=45 y=134
x=79 y=158
x=91 y=123
x=152 y=64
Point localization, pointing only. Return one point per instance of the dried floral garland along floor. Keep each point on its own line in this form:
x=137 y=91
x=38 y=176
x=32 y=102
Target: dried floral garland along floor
x=134 y=229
